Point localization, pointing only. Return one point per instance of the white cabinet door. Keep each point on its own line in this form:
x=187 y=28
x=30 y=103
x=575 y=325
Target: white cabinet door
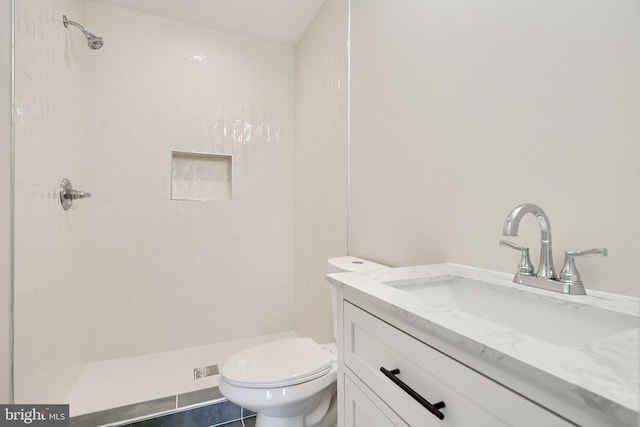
x=360 y=409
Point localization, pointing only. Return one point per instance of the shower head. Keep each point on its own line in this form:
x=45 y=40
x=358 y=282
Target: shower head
x=93 y=41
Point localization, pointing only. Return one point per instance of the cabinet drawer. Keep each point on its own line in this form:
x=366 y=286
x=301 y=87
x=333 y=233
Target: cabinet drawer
x=365 y=409
x=470 y=398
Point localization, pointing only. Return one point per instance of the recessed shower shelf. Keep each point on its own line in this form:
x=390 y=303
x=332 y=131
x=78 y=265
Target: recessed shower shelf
x=201 y=176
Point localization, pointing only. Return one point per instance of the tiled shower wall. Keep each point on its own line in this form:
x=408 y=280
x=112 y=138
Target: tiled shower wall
x=321 y=164
x=50 y=265
x=130 y=271
x=171 y=274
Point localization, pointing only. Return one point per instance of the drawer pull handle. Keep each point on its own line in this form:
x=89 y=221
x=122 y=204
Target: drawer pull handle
x=431 y=407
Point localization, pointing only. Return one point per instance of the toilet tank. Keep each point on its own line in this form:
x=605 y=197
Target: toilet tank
x=345 y=264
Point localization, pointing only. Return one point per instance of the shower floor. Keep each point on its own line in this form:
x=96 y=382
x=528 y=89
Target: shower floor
x=119 y=382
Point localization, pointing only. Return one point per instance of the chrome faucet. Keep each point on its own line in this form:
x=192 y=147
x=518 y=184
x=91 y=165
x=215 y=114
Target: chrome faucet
x=569 y=281
x=511 y=224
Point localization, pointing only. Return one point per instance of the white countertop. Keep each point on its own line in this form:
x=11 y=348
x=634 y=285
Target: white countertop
x=602 y=374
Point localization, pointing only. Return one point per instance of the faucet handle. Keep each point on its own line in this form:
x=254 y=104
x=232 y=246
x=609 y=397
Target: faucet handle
x=569 y=272
x=525 y=267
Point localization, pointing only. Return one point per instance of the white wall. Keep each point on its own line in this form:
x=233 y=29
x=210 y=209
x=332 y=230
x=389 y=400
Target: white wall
x=462 y=110
x=5 y=201
x=320 y=165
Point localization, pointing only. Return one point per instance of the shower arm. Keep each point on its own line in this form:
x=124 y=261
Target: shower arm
x=93 y=41
x=66 y=23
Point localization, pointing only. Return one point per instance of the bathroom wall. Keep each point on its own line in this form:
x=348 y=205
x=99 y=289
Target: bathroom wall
x=6 y=183
x=320 y=165
x=462 y=110
x=50 y=274
x=168 y=274
x=129 y=270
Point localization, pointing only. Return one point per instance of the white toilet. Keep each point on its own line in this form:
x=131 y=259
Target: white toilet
x=291 y=382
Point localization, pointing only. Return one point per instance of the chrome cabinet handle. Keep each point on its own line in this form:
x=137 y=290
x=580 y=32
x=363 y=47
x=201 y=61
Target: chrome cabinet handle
x=431 y=407
x=570 y=273
x=525 y=267
x=68 y=194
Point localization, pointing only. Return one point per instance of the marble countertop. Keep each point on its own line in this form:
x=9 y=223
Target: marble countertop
x=602 y=373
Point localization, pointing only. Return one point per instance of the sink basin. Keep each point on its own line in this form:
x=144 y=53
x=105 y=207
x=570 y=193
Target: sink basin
x=553 y=321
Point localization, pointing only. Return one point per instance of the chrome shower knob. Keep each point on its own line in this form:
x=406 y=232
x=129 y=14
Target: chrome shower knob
x=68 y=194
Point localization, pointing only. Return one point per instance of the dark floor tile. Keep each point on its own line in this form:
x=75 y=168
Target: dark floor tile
x=205 y=416
x=124 y=412
x=248 y=422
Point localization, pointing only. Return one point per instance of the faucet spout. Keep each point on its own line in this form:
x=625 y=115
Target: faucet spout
x=512 y=223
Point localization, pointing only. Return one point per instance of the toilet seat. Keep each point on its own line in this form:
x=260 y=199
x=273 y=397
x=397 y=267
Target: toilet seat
x=278 y=364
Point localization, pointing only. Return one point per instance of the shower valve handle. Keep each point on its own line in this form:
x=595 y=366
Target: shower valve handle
x=76 y=194
x=68 y=194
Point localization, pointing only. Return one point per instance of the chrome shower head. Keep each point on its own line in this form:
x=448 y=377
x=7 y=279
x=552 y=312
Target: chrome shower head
x=93 y=41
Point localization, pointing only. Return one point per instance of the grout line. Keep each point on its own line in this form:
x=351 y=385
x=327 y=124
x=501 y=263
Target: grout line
x=235 y=420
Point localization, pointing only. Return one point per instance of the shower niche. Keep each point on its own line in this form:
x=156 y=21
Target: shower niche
x=201 y=176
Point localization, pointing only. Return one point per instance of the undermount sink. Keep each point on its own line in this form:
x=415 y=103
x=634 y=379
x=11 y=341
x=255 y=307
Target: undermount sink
x=555 y=322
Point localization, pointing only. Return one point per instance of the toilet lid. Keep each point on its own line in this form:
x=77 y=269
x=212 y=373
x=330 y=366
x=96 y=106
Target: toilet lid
x=278 y=364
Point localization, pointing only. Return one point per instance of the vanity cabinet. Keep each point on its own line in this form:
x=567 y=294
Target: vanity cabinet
x=461 y=395
x=363 y=408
